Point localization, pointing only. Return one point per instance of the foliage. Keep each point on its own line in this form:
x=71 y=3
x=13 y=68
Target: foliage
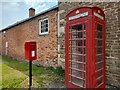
x=15 y=74
x=59 y=71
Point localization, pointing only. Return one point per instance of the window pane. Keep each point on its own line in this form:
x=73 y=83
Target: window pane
x=76 y=73
x=80 y=43
x=99 y=58
x=79 y=58
x=77 y=81
x=99 y=66
x=84 y=42
x=80 y=50
x=99 y=27
x=84 y=34
x=46 y=30
x=44 y=26
x=99 y=42
x=77 y=65
x=84 y=26
x=99 y=81
x=74 y=42
x=74 y=50
x=79 y=34
x=77 y=27
x=46 y=21
x=99 y=73
x=99 y=35
x=99 y=50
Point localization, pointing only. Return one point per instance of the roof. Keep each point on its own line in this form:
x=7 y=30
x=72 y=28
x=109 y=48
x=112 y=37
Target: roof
x=24 y=20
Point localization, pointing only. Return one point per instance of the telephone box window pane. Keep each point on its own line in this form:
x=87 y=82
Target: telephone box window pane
x=76 y=73
x=79 y=34
x=77 y=81
x=74 y=57
x=84 y=26
x=79 y=58
x=99 y=35
x=74 y=42
x=80 y=43
x=99 y=50
x=84 y=75
x=84 y=34
x=77 y=65
x=84 y=42
x=84 y=58
x=99 y=66
x=99 y=58
x=99 y=73
x=74 y=35
x=77 y=27
x=74 y=50
x=99 y=27
x=80 y=50
x=99 y=81
x=99 y=42
x=84 y=50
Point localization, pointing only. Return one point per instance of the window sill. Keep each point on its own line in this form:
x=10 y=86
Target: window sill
x=43 y=34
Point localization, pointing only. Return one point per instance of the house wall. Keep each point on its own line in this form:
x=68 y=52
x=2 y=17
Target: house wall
x=112 y=15
x=29 y=30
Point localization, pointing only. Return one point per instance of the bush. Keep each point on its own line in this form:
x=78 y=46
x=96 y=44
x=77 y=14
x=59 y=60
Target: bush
x=59 y=71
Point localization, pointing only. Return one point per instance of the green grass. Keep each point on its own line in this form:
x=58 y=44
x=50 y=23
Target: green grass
x=15 y=74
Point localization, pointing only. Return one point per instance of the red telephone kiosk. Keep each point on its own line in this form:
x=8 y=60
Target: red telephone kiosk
x=85 y=48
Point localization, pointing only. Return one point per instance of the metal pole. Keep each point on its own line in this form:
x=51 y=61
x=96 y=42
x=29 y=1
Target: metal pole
x=30 y=75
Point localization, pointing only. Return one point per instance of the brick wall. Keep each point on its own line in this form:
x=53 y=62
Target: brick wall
x=29 y=30
x=112 y=12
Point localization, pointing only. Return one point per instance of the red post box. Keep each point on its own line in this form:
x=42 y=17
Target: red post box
x=85 y=48
x=30 y=50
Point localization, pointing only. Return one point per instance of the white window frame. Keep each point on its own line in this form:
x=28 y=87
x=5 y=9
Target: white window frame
x=43 y=33
x=4 y=34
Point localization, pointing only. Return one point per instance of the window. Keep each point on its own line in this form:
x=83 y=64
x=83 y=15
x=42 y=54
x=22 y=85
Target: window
x=43 y=26
x=4 y=34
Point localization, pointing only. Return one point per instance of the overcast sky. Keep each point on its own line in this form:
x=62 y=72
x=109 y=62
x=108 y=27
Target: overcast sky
x=14 y=10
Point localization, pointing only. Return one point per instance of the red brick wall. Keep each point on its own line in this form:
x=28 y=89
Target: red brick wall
x=29 y=30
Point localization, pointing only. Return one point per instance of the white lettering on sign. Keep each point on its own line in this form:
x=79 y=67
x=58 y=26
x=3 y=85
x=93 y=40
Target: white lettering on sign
x=98 y=15
x=33 y=53
x=78 y=16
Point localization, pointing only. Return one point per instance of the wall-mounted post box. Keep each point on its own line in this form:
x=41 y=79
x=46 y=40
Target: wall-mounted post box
x=30 y=50
x=85 y=48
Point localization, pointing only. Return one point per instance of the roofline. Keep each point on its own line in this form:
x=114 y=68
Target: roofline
x=24 y=20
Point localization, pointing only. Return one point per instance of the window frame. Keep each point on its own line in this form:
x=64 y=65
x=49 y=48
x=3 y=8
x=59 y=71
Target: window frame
x=4 y=34
x=43 y=33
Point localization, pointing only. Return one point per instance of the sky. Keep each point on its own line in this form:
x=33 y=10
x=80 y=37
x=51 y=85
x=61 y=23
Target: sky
x=12 y=11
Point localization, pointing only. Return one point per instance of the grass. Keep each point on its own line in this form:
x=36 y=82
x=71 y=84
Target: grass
x=15 y=74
